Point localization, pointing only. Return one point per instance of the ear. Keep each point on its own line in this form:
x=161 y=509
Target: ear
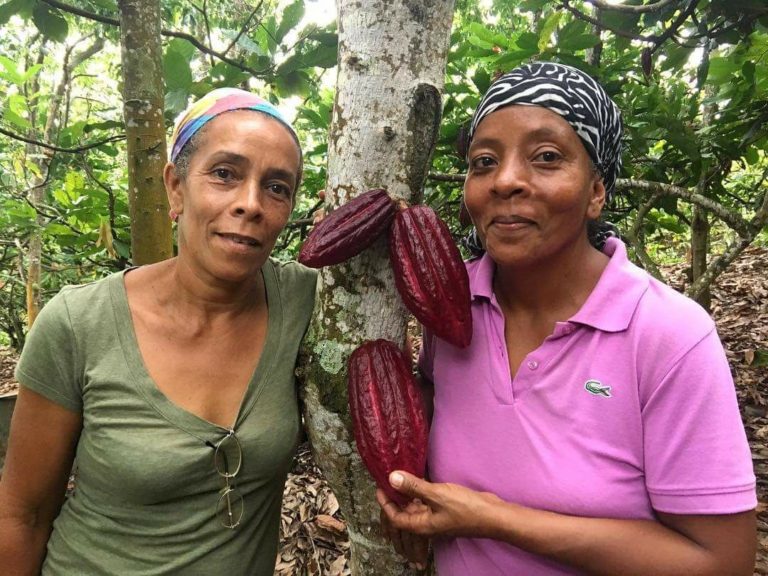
x=173 y=185
x=597 y=198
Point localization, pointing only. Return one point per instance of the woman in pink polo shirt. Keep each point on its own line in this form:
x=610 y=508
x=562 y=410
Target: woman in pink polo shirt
x=592 y=425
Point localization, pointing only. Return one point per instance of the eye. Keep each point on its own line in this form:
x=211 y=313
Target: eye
x=224 y=174
x=280 y=189
x=482 y=162
x=547 y=157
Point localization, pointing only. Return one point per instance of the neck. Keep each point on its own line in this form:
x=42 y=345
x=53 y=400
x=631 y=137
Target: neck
x=555 y=288
x=204 y=299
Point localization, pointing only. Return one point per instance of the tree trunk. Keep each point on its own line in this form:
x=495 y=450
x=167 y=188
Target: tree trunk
x=699 y=252
x=40 y=159
x=386 y=118
x=143 y=103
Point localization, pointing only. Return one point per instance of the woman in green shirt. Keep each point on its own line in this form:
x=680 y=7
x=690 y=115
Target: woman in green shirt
x=171 y=385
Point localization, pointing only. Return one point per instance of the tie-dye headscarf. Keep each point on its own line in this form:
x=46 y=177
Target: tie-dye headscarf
x=211 y=105
x=572 y=94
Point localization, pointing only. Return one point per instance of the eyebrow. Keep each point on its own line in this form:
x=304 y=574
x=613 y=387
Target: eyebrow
x=542 y=133
x=240 y=160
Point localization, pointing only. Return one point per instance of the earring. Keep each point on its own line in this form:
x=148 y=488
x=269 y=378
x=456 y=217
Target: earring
x=173 y=215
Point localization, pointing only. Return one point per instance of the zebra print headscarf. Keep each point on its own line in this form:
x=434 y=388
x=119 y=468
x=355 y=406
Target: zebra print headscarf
x=569 y=92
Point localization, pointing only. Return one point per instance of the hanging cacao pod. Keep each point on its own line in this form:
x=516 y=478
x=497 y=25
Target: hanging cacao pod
x=388 y=417
x=646 y=61
x=430 y=275
x=348 y=230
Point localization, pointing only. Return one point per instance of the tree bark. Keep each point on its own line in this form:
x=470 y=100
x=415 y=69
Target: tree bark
x=143 y=103
x=699 y=252
x=392 y=56
x=41 y=158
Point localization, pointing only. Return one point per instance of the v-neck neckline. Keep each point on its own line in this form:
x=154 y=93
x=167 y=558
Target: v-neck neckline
x=176 y=415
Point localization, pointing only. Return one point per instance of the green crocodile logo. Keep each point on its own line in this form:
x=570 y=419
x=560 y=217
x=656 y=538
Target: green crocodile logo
x=597 y=388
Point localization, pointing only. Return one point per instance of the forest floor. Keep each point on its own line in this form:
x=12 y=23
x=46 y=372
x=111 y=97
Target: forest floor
x=313 y=539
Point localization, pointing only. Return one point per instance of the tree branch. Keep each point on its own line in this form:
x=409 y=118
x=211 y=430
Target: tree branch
x=730 y=218
x=244 y=27
x=586 y=18
x=76 y=150
x=631 y=9
x=168 y=33
x=456 y=178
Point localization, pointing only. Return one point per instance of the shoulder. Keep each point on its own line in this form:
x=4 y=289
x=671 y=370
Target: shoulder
x=294 y=275
x=79 y=300
x=670 y=314
x=296 y=282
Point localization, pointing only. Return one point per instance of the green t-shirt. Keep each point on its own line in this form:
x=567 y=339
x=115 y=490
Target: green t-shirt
x=146 y=492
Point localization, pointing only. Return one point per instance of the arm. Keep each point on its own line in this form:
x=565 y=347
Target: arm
x=39 y=459
x=716 y=545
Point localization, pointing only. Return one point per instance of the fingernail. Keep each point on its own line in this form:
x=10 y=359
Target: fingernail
x=396 y=479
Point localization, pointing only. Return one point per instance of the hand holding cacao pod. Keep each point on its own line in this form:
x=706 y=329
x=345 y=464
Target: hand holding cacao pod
x=430 y=275
x=388 y=418
x=348 y=230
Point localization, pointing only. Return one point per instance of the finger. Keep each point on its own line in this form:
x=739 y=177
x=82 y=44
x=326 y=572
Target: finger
x=321 y=194
x=410 y=485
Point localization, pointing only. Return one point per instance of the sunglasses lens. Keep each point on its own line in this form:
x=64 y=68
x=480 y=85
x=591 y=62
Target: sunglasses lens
x=228 y=456
x=230 y=508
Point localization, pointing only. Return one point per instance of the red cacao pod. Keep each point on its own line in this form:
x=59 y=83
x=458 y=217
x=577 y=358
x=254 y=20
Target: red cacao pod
x=388 y=417
x=430 y=275
x=348 y=230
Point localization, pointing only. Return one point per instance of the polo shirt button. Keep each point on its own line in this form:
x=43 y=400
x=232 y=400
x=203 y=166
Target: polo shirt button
x=532 y=364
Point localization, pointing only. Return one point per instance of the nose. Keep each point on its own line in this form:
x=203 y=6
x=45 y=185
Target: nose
x=511 y=177
x=248 y=201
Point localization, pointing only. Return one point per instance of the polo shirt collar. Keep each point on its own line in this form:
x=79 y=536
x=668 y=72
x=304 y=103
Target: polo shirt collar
x=481 y=278
x=614 y=299
x=612 y=302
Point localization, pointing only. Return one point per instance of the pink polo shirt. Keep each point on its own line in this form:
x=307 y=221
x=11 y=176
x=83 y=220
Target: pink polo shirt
x=627 y=408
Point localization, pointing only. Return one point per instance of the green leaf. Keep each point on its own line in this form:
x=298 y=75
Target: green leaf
x=50 y=22
x=748 y=71
x=580 y=42
x=225 y=74
x=296 y=82
x=10 y=72
x=178 y=75
x=317 y=120
x=756 y=358
x=533 y=5
x=512 y=59
x=106 y=125
x=292 y=15
x=18 y=121
x=721 y=70
x=528 y=41
x=675 y=57
x=483 y=33
x=176 y=101
x=183 y=47
x=250 y=46
x=482 y=79
x=327 y=38
x=13 y=7
x=550 y=25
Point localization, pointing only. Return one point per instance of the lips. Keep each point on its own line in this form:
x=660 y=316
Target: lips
x=239 y=238
x=511 y=219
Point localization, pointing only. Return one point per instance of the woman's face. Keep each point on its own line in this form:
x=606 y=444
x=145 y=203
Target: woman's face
x=237 y=195
x=531 y=187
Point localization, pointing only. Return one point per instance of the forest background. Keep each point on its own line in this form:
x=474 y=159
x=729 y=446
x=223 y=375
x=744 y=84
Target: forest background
x=690 y=76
